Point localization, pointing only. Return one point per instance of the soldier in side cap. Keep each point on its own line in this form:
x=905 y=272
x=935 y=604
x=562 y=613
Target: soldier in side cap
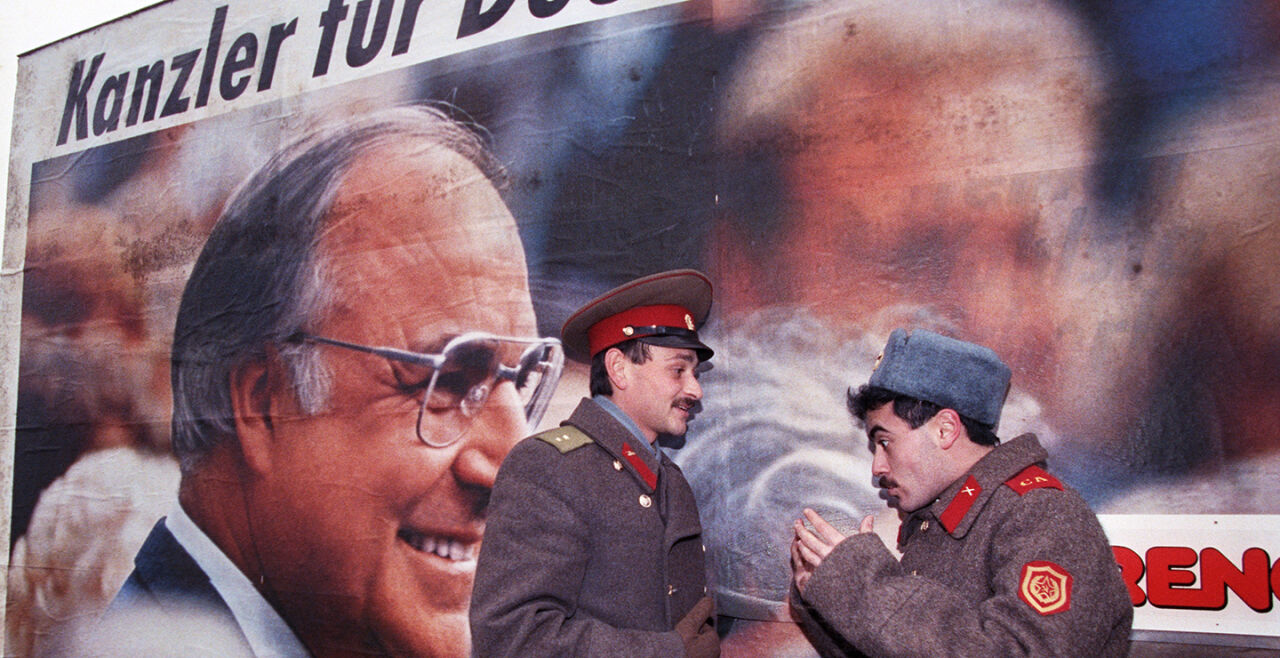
x=998 y=556
x=593 y=545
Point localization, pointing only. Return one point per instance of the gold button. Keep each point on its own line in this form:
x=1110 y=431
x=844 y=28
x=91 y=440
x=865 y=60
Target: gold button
x=617 y=465
x=671 y=590
x=628 y=330
x=924 y=525
x=645 y=500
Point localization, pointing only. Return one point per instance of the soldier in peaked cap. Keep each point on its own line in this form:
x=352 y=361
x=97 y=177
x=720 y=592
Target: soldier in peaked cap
x=998 y=556
x=593 y=545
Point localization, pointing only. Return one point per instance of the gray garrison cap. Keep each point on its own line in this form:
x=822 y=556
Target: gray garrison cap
x=957 y=375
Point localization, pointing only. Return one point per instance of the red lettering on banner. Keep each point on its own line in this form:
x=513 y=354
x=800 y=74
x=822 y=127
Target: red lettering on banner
x=1168 y=578
x=1131 y=571
x=1275 y=577
x=1249 y=583
x=1172 y=583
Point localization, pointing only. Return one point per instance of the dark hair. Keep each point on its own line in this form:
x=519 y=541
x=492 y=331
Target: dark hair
x=635 y=350
x=914 y=411
x=258 y=280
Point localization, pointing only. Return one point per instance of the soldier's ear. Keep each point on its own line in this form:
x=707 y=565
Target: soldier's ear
x=947 y=424
x=615 y=364
x=254 y=385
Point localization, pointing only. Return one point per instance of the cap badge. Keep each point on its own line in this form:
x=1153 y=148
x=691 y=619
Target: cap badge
x=628 y=330
x=688 y=321
x=877 y=363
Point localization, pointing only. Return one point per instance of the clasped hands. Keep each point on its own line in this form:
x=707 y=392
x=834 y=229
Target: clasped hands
x=810 y=548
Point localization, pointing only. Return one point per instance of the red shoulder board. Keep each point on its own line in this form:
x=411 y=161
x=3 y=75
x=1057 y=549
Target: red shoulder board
x=1032 y=477
x=650 y=478
x=951 y=517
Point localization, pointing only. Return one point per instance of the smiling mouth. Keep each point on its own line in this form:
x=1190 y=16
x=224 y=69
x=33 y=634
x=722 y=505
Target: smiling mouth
x=453 y=550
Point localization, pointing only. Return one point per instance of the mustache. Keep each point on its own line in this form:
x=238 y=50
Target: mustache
x=687 y=404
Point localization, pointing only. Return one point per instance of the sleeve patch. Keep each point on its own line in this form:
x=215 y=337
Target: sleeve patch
x=565 y=438
x=1045 y=586
x=1032 y=477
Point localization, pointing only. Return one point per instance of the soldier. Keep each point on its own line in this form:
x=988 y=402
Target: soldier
x=998 y=556
x=593 y=545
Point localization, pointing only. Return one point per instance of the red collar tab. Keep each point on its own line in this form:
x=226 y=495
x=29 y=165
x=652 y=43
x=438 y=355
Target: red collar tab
x=633 y=322
x=968 y=494
x=650 y=478
x=1032 y=477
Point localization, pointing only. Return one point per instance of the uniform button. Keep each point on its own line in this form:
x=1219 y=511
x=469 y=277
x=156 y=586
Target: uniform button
x=645 y=500
x=704 y=548
x=924 y=525
x=915 y=572
x=671 y=590
x=704 y=591
x=617 y=465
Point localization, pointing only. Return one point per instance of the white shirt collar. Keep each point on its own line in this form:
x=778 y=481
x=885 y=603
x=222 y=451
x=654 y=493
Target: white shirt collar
x=267 y=632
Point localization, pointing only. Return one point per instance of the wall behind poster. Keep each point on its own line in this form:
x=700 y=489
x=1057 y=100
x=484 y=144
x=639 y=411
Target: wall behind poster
x=29 y=27
x=1089 y=190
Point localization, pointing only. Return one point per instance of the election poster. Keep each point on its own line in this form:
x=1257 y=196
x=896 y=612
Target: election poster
x=1089 y=189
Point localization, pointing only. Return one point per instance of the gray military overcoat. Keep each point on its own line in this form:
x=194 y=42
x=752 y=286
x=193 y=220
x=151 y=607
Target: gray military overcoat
x=592 y=547
x=1008 y=561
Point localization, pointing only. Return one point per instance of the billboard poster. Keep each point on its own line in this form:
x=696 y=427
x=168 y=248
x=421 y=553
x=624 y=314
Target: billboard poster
x=1087 y=188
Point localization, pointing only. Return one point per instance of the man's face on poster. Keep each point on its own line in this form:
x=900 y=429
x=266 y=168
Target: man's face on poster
x=367 y=536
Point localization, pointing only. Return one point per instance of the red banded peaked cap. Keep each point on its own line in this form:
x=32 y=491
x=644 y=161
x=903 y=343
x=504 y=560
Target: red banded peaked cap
x=667 y=308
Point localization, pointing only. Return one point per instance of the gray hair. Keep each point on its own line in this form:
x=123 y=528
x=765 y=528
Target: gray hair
x=258 y=282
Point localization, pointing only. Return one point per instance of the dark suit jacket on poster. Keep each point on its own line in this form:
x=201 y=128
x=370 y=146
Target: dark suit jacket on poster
x=167 y=591
x=592 y=547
